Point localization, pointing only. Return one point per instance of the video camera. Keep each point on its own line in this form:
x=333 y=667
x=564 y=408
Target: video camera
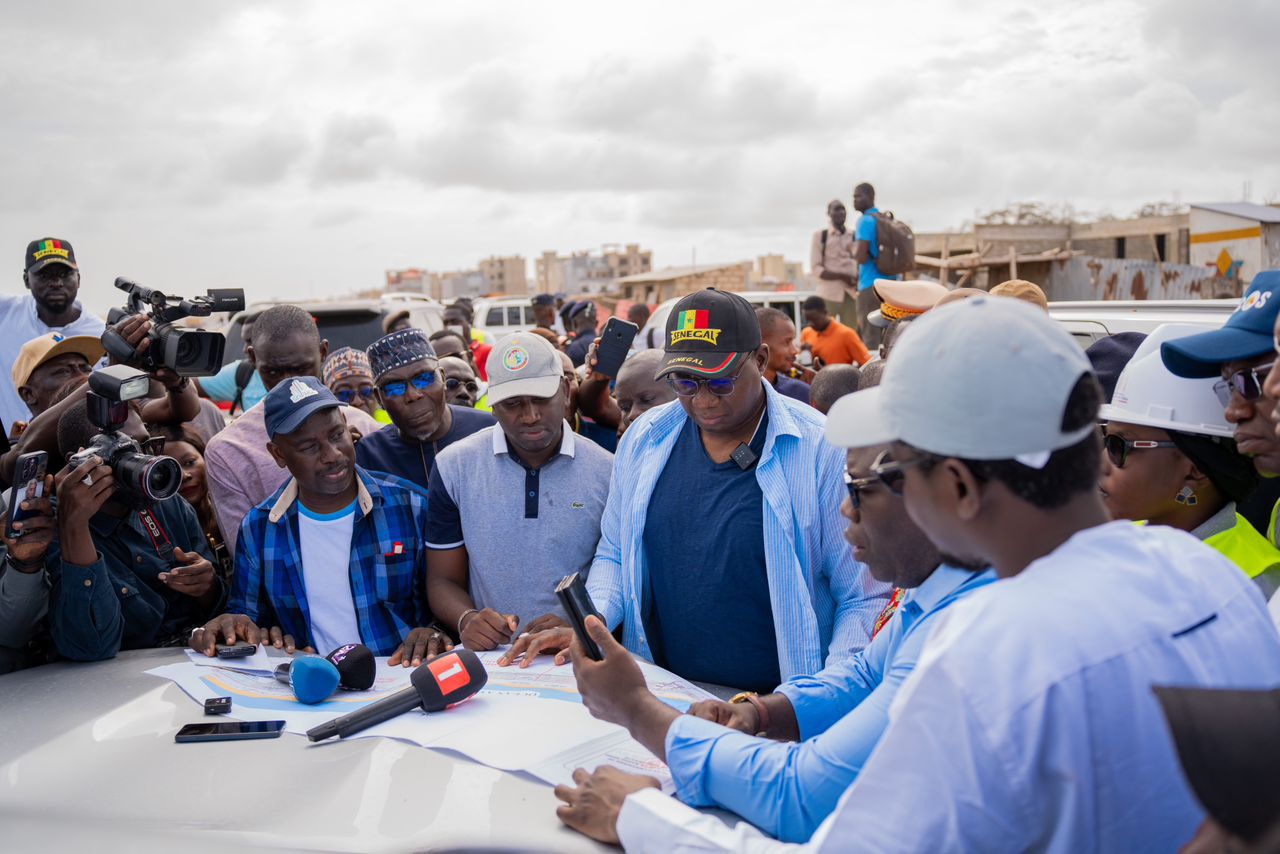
x=186 y=352
x=139 y=474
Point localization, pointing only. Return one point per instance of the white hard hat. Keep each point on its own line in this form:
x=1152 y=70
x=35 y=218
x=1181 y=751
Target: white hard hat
x=1148 y=394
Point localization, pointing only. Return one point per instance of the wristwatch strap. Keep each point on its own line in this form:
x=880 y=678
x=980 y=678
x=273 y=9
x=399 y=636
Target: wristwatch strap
x=762 y=711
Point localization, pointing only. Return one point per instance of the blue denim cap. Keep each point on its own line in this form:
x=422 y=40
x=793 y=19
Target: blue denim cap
x=1247 y=334
x=293 y=401
x=986 y=378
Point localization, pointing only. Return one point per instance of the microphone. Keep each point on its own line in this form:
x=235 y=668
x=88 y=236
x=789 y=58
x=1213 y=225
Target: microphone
x=355 y=665
x=312 y=678
x=444 y=681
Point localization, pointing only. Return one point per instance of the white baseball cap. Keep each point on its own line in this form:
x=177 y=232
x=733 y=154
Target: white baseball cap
x=523 y=365
x=985 y=378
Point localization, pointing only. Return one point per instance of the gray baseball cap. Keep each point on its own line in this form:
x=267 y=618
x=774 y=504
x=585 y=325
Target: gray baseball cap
x=986 y=378
x=523 y=365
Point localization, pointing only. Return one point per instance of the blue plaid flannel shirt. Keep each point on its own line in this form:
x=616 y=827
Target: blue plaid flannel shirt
x=388 y=563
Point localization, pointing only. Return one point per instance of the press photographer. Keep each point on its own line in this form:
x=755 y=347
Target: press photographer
x=129 y=340
x=130 y=567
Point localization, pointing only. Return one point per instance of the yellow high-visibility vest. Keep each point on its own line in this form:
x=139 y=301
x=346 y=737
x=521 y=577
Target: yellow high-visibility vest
x=1245 y=547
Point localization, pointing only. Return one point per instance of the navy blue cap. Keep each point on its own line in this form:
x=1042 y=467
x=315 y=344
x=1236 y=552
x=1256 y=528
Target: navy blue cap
x=544 y=299
x=1247 y=334
x=294 y=401
x=1109 y=356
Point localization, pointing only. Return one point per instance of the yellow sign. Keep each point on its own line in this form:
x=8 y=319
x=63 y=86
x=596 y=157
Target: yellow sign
x=1224 y=262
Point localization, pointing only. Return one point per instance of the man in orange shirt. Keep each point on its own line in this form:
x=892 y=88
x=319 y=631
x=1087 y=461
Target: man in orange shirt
x=830 y=341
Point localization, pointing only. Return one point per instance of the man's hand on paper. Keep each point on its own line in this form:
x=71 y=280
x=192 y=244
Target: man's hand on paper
x=740 y=716
x=533 y=643
x=487 y=629
x=422 y=643
x=593 y=806
x=614 y=690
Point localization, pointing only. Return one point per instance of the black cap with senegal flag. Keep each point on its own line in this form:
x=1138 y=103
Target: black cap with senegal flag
x=49 y=250
x=709 y=335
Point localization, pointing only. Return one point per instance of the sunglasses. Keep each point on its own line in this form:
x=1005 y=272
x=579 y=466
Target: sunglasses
x=347 y=395
x=885 y=472
x=453 y=384
x=421 y=382
x=688 y=387
x=1118 y=447
x=1246 y=382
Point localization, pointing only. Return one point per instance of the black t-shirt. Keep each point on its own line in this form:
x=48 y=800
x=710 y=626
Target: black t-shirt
x=388 y=452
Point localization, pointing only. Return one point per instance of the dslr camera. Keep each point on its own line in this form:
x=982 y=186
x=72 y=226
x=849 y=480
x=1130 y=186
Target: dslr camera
x=137 y=474
x=186 y=352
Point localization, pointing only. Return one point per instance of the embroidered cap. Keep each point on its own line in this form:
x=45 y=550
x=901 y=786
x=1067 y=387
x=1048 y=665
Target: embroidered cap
x=39 y=350
x=294 y=401
x=344 y=363
x=49 y=250
x=709 y=334
x=397 y=350
x=523 y=365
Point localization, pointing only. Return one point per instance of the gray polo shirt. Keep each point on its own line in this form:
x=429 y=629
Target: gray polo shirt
x=524 y=529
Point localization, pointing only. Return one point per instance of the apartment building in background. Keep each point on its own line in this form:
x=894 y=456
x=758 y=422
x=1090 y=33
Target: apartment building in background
x=508 y=275
x=589 y=272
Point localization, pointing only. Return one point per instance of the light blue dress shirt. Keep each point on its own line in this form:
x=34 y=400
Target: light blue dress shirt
x=1029 y=723
x=787 y=789
x=824 y=602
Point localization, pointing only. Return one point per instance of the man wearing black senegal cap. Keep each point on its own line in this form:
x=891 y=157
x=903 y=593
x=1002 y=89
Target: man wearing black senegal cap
x=721 y=549
x=410 y=385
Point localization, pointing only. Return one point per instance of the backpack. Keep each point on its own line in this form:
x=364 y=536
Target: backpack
x=244 y=373
x=896 y=243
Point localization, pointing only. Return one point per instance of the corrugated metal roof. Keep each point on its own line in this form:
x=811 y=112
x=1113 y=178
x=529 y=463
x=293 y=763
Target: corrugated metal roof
x=1244 y=210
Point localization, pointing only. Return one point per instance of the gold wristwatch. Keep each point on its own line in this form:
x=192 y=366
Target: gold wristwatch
x=762 y=711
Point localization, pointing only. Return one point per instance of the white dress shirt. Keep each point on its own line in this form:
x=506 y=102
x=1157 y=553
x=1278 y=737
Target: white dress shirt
x=1029 y=723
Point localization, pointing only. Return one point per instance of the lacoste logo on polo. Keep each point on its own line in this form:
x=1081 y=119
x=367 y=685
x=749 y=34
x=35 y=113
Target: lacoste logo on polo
x=51 y=247
x=577 y=505
x=692 y=326
x=515 y=358
x=300 y=391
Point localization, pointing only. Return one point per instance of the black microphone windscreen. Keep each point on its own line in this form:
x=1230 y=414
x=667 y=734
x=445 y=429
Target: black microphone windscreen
x=448 y=679
x=355 y=665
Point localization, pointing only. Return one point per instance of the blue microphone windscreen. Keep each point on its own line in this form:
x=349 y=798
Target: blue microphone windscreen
x=314 y=679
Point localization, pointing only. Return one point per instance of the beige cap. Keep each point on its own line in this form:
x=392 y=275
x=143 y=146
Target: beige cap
x=906 y=299
x=1023 y=290
x=37 y=351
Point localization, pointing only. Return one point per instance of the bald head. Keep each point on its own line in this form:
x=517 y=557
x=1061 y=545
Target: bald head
x=637 y=391
x=832 y=383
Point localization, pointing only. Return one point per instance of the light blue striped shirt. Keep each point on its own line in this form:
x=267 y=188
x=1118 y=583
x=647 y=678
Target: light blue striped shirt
x=787 y=789
x=824 y=602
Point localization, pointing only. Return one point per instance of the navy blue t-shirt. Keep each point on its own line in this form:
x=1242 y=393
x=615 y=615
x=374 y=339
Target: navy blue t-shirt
x=708 y=616
x=388 y=452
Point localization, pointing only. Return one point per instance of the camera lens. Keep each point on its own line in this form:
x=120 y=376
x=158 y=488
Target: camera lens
x=157 y=478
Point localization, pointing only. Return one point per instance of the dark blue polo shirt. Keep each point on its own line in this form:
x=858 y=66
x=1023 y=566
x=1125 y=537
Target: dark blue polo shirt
x=388 y=452
x=708 y=616
x=792 y=388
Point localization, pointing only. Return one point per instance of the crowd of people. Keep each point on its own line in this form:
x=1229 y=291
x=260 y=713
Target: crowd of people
x=978 y=588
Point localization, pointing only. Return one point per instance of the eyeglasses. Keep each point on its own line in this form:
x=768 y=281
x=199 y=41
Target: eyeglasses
x=1118 y=447
x=347 y=395
x=890 y=472
x=453 y=384
x=1246 y=382
x=855 y=485
x=686 y=387
x=421 y=382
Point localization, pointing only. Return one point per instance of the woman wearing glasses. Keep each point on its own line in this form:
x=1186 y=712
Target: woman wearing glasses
x=1170 y=460
x=348 y=375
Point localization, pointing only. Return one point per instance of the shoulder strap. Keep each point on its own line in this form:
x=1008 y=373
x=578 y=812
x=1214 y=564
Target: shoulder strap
x=244 y=373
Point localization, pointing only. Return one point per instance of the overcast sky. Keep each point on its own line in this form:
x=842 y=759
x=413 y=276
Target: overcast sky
x=304 y=148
